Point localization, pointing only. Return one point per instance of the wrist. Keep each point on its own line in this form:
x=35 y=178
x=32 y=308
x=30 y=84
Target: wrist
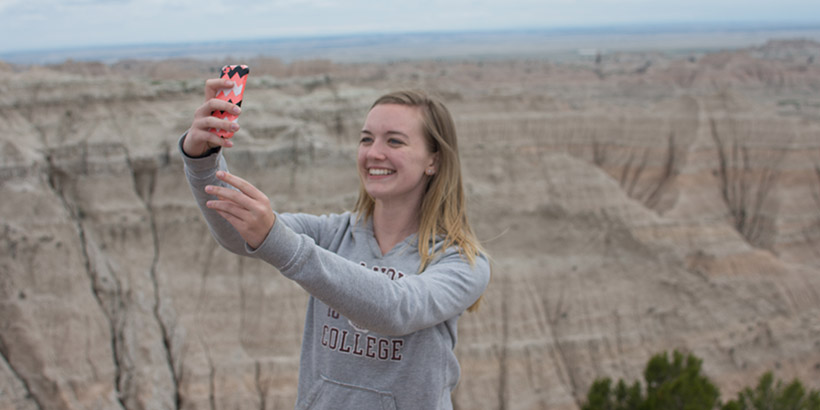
x=196 y=152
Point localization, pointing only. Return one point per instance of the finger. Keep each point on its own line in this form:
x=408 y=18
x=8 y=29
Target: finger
x=246 y=187
x=215 y=104
x=209 y=123
x=213 y=85
x=229 y=210
x=209 y=137
x=227 y=195
x=206 y=129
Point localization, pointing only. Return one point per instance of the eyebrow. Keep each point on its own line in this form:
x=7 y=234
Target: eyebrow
x=390 y=132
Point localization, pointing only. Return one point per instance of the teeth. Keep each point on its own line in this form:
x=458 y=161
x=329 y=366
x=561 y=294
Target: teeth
x=374 y=171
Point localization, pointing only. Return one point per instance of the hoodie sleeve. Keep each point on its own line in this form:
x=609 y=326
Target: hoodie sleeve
x=393 y=308
x=201 y=171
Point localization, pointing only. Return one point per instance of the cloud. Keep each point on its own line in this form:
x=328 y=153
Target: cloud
x=6 y=4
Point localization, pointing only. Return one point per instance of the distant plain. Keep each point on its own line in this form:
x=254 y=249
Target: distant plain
x=558 y=44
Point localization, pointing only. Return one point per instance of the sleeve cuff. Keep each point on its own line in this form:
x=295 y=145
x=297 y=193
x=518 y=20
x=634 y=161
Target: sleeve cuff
x=283 y=248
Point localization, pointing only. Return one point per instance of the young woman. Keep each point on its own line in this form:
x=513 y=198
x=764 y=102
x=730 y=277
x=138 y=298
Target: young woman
x=388 y=281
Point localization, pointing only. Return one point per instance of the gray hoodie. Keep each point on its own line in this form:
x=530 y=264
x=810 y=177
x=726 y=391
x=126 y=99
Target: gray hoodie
x=377 y=335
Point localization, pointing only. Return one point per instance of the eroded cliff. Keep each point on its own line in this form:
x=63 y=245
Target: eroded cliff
x=634 y=204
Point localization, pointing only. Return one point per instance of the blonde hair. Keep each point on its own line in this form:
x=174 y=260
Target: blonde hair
x=443 y=207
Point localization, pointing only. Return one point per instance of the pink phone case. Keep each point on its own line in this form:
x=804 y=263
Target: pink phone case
x=238 y=74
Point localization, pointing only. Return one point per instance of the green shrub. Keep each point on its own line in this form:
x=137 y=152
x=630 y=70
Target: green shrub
x=771 y=395
x=678 y=384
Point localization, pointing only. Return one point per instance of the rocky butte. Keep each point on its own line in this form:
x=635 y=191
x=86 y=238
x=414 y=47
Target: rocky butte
x=633 y=203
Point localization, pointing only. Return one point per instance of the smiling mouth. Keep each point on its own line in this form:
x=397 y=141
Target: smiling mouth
x=380 y=171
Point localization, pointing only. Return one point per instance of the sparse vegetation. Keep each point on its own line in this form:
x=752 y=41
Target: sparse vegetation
x=775 y=395
x=679 y=384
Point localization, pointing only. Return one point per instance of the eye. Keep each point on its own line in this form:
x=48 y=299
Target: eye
x=395 y=142
x=366 y=139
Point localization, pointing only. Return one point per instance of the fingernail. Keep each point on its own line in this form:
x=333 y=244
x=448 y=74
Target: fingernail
x=237 y=110
x=209 y=189
x=234 y=127
x=220 y=174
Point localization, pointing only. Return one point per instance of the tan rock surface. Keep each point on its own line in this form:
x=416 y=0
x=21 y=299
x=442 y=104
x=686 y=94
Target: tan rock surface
x=636 y=205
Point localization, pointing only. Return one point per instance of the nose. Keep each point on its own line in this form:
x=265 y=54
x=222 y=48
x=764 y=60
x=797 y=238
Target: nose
x=376 y=150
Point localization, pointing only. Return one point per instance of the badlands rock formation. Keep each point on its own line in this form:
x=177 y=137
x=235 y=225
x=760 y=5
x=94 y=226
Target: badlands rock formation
x=635 y=204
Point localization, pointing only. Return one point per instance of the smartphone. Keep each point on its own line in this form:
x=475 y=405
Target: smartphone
x=239 y=75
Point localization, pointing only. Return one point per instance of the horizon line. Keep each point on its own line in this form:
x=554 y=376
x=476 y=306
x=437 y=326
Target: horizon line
x=621 y=28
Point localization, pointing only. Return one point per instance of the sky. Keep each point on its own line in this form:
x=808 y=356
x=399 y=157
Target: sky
x=29 y=25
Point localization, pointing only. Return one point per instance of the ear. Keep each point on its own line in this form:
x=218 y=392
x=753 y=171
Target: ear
x=434 y=161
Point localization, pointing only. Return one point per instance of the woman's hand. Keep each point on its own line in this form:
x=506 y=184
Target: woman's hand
x=248 y=209
x=200 y=139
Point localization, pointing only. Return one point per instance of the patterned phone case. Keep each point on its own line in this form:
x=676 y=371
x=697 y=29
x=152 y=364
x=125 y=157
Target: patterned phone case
x=238 y=74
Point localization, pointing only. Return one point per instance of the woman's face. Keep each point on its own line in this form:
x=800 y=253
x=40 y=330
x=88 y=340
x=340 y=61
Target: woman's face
x=394 y=155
